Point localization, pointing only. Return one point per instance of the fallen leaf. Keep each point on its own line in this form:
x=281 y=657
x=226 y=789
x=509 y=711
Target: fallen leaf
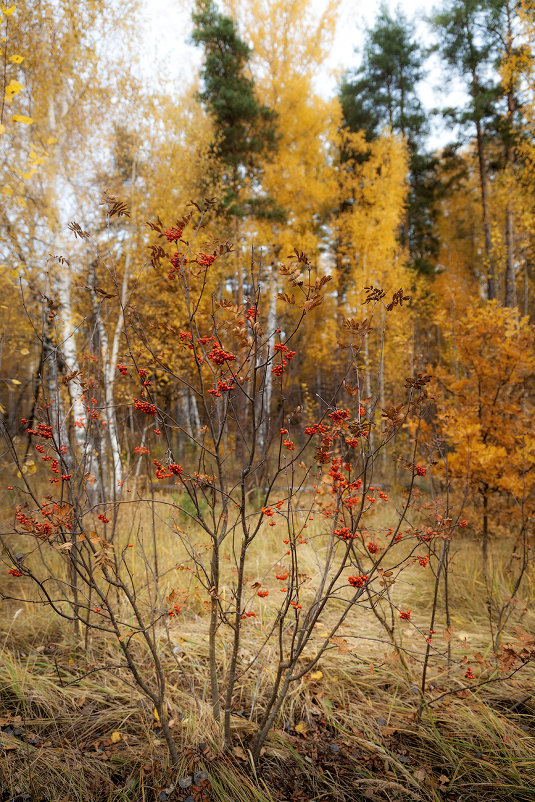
x=301 y=728
x=341 y=643
x=448 y=633
x=316 y=675
x=420 y=774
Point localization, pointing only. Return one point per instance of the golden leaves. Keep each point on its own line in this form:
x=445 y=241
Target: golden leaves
x=316 y=675
x=12 y=89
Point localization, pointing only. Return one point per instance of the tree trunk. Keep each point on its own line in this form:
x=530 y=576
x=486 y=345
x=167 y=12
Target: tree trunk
x=82 y=427
x=271 y=323
x=108 y=375
x=483 y=179
x=510 y=283
x=485 y=529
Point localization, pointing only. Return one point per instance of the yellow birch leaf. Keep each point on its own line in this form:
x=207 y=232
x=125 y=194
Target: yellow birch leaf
x=51 y=140
x=115 y=737
x=156 y=716
x=15 y=381
x=316 y=675
x=2 y=128
x=22 y=118
x=301 y=728
x=9 y=11
x=22 y=202
x=17 y=59
x=12 y=89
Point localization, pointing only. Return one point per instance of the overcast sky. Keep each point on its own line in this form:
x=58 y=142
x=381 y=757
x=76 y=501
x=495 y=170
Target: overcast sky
x=174 y=60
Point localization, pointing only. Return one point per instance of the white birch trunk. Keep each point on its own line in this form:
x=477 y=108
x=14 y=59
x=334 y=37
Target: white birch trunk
x=68 y=350
x=108 y=375
x=271 y=323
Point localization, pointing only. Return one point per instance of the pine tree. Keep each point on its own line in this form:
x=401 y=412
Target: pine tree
x=382 y=94
x=245 y=128
x=468 y=45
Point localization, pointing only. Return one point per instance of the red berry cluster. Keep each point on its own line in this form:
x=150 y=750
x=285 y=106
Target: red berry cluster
x=339 y=415
x=123 y=370
x=42 y=430
x=206 y=259
x=219 y=356
x=344 y=533
x=145 y=406
x=173 y=234
x=358 y=581
x=143 y=374
x=285 y=355
x=177 y=260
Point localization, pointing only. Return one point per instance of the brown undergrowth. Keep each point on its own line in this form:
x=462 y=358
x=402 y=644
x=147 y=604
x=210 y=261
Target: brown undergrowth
x=73 y=727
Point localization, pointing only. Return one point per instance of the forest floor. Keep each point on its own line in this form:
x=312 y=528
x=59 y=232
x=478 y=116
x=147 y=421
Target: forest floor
x=73 y=727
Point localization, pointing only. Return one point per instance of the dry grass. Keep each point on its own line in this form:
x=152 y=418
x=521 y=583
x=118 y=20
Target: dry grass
x=361 y=732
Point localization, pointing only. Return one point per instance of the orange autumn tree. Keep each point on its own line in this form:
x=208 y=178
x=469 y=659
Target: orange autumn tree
x=484 y=412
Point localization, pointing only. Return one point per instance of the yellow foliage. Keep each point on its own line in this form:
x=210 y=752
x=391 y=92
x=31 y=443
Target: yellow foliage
x=483 y=405
x=22 y=118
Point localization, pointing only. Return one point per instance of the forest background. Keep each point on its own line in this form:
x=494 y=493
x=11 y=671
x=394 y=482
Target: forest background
x=420 y=221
